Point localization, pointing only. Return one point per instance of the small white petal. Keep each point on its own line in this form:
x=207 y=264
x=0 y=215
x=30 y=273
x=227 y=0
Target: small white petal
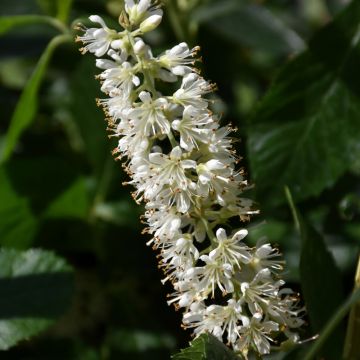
x=221 y=234
x=239 y=235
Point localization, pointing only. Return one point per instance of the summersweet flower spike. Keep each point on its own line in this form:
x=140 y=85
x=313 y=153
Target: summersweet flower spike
x=183 y=166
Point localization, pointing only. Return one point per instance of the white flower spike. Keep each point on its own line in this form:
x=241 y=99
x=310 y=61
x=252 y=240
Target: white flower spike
x=183 y=166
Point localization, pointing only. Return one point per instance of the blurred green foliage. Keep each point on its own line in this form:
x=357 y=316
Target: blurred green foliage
x=288 y=78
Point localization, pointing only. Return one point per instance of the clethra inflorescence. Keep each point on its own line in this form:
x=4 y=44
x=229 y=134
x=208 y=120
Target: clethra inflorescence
x=184 y=168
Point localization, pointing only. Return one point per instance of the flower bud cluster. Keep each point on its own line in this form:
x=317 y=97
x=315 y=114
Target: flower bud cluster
x=183 y=166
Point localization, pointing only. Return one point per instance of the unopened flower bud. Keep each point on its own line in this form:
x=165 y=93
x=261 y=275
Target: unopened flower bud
x=150 y=23
x=139 y=47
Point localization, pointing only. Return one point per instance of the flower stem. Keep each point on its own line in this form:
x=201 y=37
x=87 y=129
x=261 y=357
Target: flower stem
x=352 y=345
x=174 y=20
x=209 y=231
x=103 y=187
x=149 y=84
x=332 y=324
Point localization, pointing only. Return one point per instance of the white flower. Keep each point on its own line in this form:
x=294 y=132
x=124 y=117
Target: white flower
x=192 y=89
x=181 y=249
x=140 y=11
x=171 y=170
x=234 y=204
x=149 y=117
x=173 y=197
x=117 y=59
x=119 y=77
x=267 y=257
x=164 y=223
x=132 y=141
x=97 y=40
x=231 y=250
x=220 y=144
x=217 y=177
x=285 y=310
x=178 y=59
x=187 y=295
x=194 y=128
x=206 y=320
x=255 y=334
x=214 y=274
x=116 y=107
x=260 y=291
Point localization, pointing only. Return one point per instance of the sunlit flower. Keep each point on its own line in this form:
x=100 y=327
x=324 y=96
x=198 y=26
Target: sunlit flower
x=97 y=40
x=183 y=166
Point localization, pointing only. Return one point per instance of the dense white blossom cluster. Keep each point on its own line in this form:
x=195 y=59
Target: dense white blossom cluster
x=183 y=166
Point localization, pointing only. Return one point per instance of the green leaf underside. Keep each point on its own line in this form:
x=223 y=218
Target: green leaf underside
x=36 y=287
x=206 y=347
x=26 y=107
x=305 y=131
x=250 y=25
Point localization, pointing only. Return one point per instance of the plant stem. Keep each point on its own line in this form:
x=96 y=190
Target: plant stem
x=292 y=208
x=332 y=324
x=209 y=231
x=57 y=24
x=103 y=187
x=63 y=10
x=149 y=83
x=174 y=20
x=352 y=344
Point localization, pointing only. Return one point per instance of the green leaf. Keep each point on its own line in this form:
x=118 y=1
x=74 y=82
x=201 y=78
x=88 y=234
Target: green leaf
x=206 y=347
x=72 y=203
x=306 y=130
x=27 y=106
x=17 y=223
x=250 y=25
x=121 y=213
x=36 y=287
x=321 y=283
x=7 y=23
x=18 y=226
x=43 y=179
